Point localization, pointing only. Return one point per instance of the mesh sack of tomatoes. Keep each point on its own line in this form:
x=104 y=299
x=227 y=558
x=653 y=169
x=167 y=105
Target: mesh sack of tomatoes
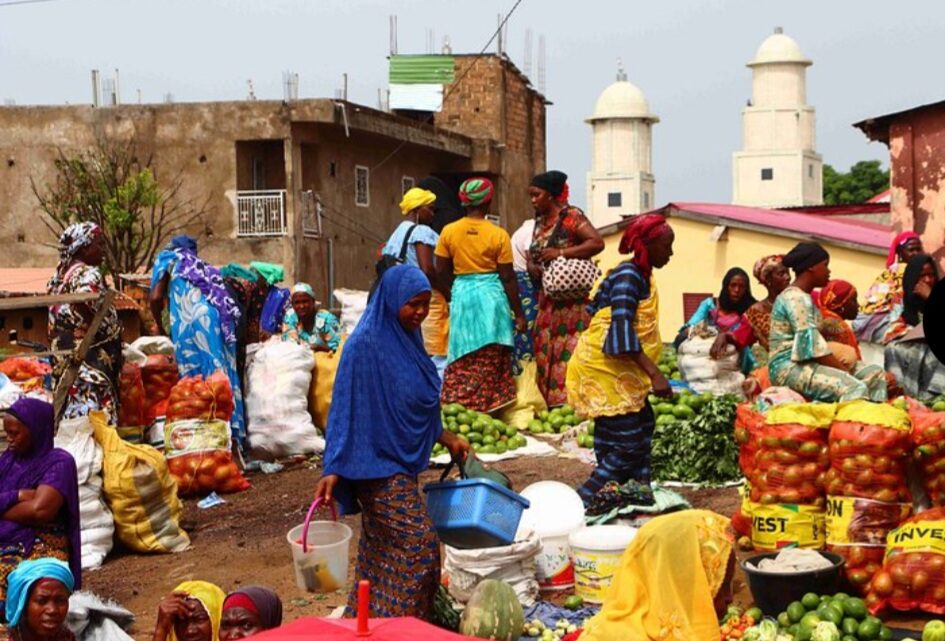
x=748 y=426
x=857 y=530
x=197 y=398
x=27 y=373
x=792 y=457
x=159 y=376
x=913 y=574
x=199 y=458
x=870 y=446
x=928 y=438
x=130 y=396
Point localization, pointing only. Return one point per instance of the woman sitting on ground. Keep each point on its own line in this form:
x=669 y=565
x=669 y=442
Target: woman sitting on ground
x=726 y=313
x=39 y=495
x=38 y=601
x=837 y=305
x=775 y=277
x=674 y=581
x=872 y=325
x=249 y=611
x=800 y=357
x=305 y=323
x=192 y=612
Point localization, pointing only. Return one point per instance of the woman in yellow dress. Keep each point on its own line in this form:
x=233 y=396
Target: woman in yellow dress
x=613 y=369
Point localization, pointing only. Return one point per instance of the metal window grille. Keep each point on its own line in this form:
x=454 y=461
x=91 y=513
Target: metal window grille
x=311 y=207
x=614 y=199
x=260 y=213
x=767 y=174
x=362 y=186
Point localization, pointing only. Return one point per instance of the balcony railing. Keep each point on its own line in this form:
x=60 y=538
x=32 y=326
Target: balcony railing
x=260 y=214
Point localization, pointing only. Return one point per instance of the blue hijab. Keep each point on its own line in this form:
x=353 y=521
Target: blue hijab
x=26 y=574
x=385 y=407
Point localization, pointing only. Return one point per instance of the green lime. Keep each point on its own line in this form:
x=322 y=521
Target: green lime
x=885 y=634
x=868 y=629
x=784 y=620
x=476 y=437
x=803 y=633
x=810 y=620
x=849 y=626
x=510 y=431
x=683 y=412
x=567 y=410
x=938 y=406
x=855 y=608
x=476 y=447
x=796 y=611
x=664 y=408
x=501 y=448
x=848 y=637
x=488 y=439
x=665 y=419
x=755 y=614
x=573 y=602
x=830 y=612
x=464 y=429
x=487 y=449
x=810 y=601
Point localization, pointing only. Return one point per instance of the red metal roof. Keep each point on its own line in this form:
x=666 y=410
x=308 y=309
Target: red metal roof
x=881 y=197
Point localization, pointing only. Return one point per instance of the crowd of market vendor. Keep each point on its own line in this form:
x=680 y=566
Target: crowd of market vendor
x=459 y=314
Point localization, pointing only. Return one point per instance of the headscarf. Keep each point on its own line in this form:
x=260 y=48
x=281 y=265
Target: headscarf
x=235 y=270
x=898 y=242
x=414 y=198
x=28 y=573
x=183 y=243
x=642 y=230
x=71 y=241
x=912 y=305
x=44 y=464
x=385 y=409
x=303 y=288
x=835 y=295
x=211 y=597
x=804 y=256
x=272 y=273
x=260 y=600
x=448 y=208
x=726 y=302
x=765 y=266
x=476 y=191
x=667 y=581
x=554 y=182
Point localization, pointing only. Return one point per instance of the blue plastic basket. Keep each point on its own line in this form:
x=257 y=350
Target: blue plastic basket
x=474 y=513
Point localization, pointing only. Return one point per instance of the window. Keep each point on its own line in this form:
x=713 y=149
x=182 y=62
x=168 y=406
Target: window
x=259 y=173
x=646 y=201
x=406 y=184
x=767 y=174
x=810 y=171
x=614 y=199
x=362 y=186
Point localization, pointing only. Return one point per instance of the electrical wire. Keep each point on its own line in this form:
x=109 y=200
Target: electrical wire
x=10 y=3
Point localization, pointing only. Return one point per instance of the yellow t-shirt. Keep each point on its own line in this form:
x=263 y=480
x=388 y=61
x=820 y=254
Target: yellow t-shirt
x=475 y=245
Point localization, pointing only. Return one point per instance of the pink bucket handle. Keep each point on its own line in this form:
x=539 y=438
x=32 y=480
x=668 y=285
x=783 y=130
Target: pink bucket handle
x=308 y=520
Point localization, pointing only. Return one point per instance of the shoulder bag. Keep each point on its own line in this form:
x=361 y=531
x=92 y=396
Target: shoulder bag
x=568 y=278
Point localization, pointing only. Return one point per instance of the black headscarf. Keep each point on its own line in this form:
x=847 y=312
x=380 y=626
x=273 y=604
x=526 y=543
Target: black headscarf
x=804 y=256
x=551 y=181
x=447 y=208
x=726 y=302
x=913 y=306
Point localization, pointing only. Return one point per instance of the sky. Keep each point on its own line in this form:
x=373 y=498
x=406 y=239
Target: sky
x=688 y=57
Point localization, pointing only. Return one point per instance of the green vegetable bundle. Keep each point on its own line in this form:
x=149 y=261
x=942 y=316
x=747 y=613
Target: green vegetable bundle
x=699 y=450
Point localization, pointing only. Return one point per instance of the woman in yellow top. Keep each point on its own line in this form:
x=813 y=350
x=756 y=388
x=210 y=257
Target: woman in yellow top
x=614 y=368
x=673 y=584
x=474 y=268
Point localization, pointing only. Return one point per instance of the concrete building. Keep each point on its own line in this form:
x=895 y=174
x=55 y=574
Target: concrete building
x=620 y=182
x=916 y=141
x=778 y=165
x=313 y=184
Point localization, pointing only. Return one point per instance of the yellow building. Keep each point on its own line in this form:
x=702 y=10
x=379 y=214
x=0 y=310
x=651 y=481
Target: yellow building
x=712 y=238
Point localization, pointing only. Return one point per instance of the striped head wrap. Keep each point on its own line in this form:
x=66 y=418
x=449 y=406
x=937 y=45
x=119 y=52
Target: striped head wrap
x=476 y=191
x=765 y=265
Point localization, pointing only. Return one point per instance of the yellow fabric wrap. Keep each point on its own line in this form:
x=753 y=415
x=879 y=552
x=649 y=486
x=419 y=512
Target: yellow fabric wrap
x=436 y=326
x=874 y=414
x=667 y=581
x=211 y=596
x=416 y=197
x=818 y=415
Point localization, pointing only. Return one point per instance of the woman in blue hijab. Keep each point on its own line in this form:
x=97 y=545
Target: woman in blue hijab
x=384 y=420
x=38 y=601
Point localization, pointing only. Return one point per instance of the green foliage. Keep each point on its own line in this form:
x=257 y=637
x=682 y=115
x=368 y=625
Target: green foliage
x=864 y=180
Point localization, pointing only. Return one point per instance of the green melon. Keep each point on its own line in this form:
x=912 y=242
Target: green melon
x=493 y=612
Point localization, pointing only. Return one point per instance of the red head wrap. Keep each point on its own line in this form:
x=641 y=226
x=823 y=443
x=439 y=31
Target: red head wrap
x=240 y=600
x=642 y=230
x=835 y=295
x=899 y=241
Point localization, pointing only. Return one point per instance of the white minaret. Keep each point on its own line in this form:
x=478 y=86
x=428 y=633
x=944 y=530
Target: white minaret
x=620 y=182
x=778 y=165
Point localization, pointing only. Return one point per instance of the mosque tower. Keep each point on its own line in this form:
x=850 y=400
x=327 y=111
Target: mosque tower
x=620 y=182
x=778 y=165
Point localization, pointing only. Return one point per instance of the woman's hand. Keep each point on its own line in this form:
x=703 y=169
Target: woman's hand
x=458 y=447
x=922 y=289
x=25 y=495
x=661 y=386
x=172 y=607
x=550 y=254
x=717 y=350
x=325 y=488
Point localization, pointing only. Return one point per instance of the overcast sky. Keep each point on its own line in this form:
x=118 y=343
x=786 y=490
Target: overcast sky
x=688 y=56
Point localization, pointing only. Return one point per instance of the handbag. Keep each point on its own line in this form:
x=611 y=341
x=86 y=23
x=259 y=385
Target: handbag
x=386 y=261
x=568 y=278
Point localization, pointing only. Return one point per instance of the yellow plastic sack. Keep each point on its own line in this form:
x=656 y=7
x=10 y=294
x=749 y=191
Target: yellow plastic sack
x=881 y=414
x=782 y=526
x=818 y=415
x=528 y=398
x=323 y=382
x=140 y=491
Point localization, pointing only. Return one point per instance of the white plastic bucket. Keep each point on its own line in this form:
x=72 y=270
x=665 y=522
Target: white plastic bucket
x=321 y=562
x=555 y=512
x=596 y=553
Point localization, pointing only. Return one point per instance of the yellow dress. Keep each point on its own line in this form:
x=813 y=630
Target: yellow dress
x=667 y=582
x=602 y=385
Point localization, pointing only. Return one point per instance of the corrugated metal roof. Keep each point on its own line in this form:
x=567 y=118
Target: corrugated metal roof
x=420 y=70
x=31 y=281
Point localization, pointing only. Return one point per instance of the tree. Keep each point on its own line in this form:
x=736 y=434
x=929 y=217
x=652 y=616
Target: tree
x=864 y=180
x=110 y=186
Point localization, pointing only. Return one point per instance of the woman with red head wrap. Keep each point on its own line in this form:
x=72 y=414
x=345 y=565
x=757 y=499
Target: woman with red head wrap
x=613 y=369
x=885 y=294
x=837 y=303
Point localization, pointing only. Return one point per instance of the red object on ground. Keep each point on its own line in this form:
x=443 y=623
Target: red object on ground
x=398 y=629
x=364 y=607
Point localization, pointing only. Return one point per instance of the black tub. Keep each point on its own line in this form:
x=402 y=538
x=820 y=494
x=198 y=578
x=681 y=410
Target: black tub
x=773 y=592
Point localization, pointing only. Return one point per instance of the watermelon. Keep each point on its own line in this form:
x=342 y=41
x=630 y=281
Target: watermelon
x=493 y=612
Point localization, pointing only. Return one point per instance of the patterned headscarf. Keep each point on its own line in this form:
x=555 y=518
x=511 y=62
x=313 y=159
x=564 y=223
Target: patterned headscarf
x=900 y=240
x=765 y=266
x=303 y=288
x=835 y=295
x=642 y=230
x=476 y=191
x=71 y=241
x=414 y=198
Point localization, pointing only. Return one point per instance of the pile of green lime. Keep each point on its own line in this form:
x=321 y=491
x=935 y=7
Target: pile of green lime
x=937 y=404
x=556 y=421
x=668 y=364
x=683 y=406
x=849 y=614
x=485 y=434
x=585 y=439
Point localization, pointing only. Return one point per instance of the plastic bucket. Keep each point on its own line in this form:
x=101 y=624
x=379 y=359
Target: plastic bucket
x=320 y=552
x=555 y=512
x=596 y=553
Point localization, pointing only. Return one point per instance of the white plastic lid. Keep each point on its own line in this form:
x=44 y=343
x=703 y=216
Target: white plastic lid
x=555 y=509
x=603 y=537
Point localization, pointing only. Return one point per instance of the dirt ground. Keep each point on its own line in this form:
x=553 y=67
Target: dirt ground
x=244 y=541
